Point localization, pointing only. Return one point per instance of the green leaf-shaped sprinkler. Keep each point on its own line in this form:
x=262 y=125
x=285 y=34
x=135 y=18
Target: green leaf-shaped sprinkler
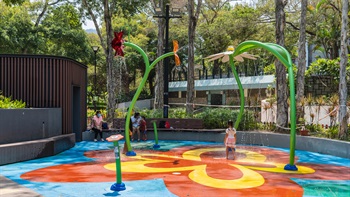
x=117 y=44
x=282 y=55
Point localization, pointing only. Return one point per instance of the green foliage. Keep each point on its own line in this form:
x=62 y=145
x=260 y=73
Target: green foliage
x=145 y=94
x=318 y=131
x=8 y=103
x=91 y=113
x=155 y=113
x=64 y=35
x=315 y=129
x=332 y=132
x=59 y=32
x=271 y=69
x=214 y=118
x=221 y=28
x=327 y=27
x=13 y=2
x=17 y=33
x=327 y=67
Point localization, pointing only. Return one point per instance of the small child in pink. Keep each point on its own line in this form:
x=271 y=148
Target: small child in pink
x=230 y=139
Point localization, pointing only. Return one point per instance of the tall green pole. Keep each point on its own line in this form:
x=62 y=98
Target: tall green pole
x=241 y=92
x=155 y=135
x=282 y=55
x=139 y=89
x=119 y=185
x=293 y=115
x=117 y=161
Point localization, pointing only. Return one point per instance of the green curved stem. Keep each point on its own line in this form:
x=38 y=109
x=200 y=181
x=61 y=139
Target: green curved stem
x=277 y=50
x=160 y=58
x=139 y=89
x=282 y=55
x=293 y=115
x=241 y=92
x=142 y=52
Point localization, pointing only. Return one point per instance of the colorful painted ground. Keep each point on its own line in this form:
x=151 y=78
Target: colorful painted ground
x=183 y=168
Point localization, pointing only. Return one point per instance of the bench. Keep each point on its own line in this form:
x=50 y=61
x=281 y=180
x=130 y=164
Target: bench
x=177 y=124
x=88 y=128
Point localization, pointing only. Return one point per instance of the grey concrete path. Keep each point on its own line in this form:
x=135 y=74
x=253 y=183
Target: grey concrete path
x=9 y=188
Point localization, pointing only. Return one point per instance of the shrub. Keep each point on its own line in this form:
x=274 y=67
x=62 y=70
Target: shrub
x=332 y=132
x=8 y=103
x=214 y=118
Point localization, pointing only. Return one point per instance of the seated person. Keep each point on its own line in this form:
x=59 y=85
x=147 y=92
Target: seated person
x=97 y=121
x=143 y=128
x=135 y=119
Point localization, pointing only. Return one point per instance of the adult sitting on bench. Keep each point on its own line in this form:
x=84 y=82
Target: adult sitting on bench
x=97 y=121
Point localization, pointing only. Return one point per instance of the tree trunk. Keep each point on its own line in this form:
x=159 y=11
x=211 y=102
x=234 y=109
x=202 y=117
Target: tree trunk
x=301 y=63
x=124 y=88
x=282 y=97
x=159 y=85
x=111 y=85
x=113 y=73
x=192 y=23
x=343 y=115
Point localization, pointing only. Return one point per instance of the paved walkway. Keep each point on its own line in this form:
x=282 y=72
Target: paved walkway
x=10 y=188
x=178 y=168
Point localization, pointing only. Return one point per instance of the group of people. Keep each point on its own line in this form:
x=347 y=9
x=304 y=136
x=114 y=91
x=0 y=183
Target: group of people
x=138 y=126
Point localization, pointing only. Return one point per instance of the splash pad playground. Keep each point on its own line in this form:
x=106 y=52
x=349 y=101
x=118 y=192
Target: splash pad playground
x=182 y=168
x=187 y=168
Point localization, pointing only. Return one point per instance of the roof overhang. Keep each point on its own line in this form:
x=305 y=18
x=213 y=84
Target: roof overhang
x=253 y=82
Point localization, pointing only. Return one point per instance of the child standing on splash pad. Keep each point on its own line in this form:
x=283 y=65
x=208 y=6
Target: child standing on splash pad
x=230 y=139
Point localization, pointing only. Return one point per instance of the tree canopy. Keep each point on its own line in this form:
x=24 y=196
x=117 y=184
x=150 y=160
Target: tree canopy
x=55 y=28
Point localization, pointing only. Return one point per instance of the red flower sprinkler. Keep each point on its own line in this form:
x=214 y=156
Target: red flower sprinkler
x=117 y=43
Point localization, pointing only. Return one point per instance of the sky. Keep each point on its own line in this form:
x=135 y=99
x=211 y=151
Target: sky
x=89 y=25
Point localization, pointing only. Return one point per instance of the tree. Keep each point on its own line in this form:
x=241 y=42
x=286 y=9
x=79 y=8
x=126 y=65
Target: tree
x=222 y=25
x=159 y=85
x=106 y=11
x=63 y=34
x=301 y=61
x=17 y=30
x=192 y=23
x=343 y=115
x=57 y=32
x=328 y=26
x=281 y=85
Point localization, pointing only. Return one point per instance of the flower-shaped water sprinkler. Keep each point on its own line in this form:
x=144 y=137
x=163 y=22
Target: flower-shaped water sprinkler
x=230 y=50
x=117 y=43
x=176 y=48
x=230 y=55
x=284 y=57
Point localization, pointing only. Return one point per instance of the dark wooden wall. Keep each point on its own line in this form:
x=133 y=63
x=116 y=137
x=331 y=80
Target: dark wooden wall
x=46 y=82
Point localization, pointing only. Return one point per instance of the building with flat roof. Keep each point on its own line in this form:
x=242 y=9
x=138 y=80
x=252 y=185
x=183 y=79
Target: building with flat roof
x=222 y=91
